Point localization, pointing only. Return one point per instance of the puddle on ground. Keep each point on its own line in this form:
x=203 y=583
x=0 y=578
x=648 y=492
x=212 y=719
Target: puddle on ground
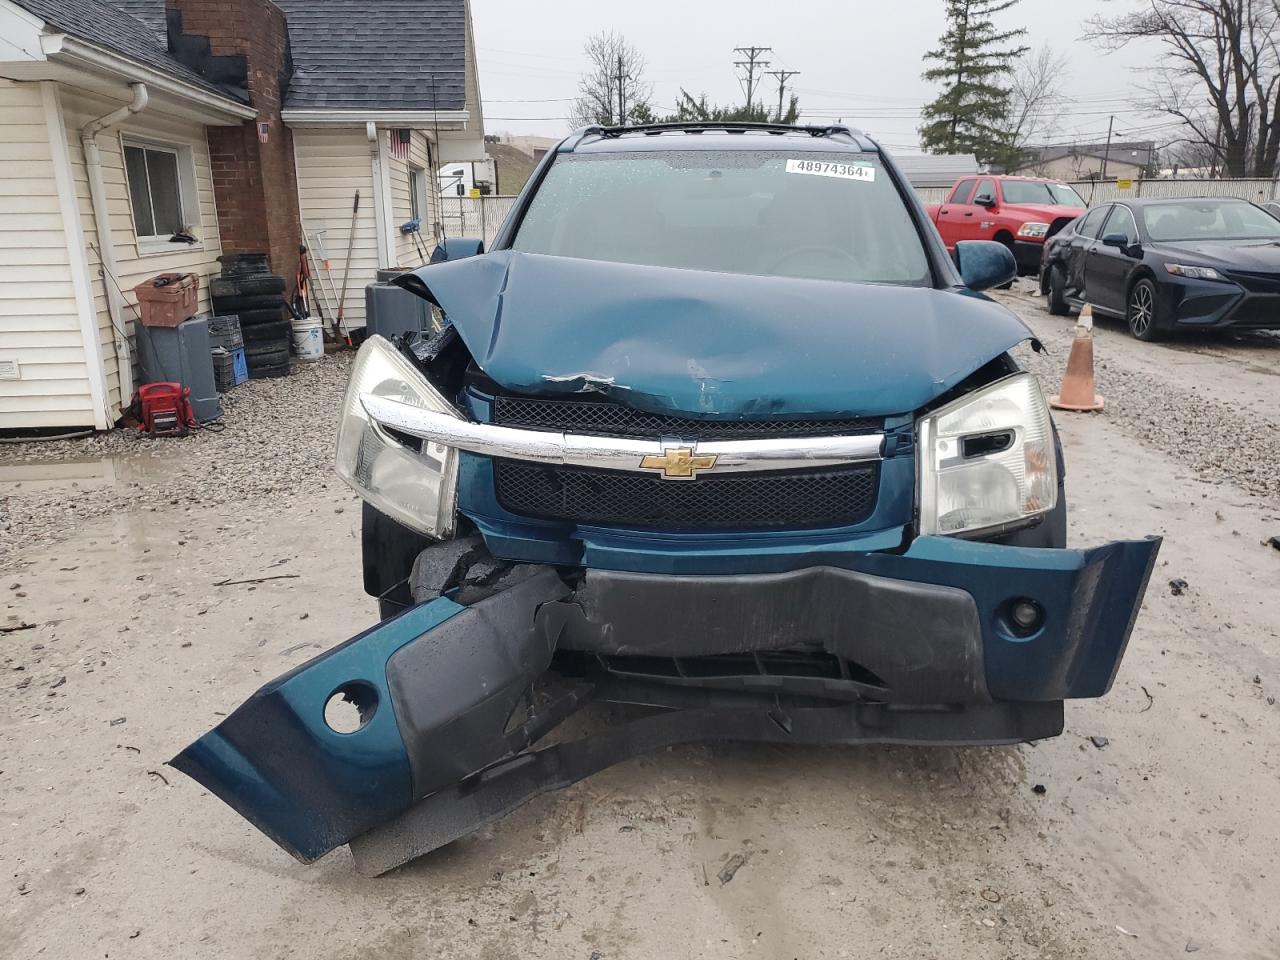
x=116 y=470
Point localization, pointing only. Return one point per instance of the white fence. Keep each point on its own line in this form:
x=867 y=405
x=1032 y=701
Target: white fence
x=474 y=217
x=1101 y=192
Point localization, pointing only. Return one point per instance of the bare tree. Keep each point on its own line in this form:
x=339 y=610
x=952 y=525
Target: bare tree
x=1035 y=98
x=613 y=90
x=1222 y=77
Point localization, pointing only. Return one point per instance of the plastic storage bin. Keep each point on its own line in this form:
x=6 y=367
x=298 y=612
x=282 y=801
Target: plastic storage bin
x=182 y=355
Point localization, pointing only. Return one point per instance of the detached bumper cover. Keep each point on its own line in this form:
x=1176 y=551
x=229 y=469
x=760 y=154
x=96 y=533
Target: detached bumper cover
x=440 y=686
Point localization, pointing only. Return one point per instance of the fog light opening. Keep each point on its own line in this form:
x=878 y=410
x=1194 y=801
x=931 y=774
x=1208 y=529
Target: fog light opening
x=1027 y=616
x=350 y=708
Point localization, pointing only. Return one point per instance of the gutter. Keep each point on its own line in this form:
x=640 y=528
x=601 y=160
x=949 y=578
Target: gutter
x=69 y=49
x=380 y=160
x=102 y=222
x=357 y=116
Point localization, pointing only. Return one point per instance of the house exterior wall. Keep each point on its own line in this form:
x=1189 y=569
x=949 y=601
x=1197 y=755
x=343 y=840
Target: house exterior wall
x=1081 y=167
x=332 y=164
x=407 y=252
x=40 y=324
x=134 y=262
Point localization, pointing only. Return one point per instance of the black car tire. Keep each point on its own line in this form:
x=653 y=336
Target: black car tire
x=266 y=373
x=266 y=352
x=226 y=287
x=1142 y=313
x=1058 y=305
x=245 y=303
x=388 y=550
x=276 y=330
x=250 y=318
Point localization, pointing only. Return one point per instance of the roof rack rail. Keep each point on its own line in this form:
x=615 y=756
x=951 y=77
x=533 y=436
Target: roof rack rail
x=697 y=126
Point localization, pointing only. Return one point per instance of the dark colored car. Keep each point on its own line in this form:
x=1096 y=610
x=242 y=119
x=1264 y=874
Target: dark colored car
x=716 y=430
x=1163 y=265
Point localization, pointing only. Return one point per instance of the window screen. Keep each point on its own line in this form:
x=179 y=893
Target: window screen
x=155 y=190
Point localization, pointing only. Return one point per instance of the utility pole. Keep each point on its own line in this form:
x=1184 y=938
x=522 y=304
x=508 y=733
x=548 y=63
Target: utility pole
x=783 y=76
x=1106 y=154
x=621 y=78
x=752 y=64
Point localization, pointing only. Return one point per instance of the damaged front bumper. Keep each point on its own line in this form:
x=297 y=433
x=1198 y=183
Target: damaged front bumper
x=917 y=647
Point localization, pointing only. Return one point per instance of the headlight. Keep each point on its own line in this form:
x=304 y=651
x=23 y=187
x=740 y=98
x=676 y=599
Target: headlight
x=986 y=460
x=1193 y=273
x=413 y=481
x=1033 y=230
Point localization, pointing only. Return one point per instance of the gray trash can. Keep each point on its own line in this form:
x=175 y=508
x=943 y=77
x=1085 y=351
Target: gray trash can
x=390 y=310
x=181 y=354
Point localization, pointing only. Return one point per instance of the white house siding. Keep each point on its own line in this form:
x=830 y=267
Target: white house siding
x=331 y=166
x=39 y=323
x=408 y=253
x=132 y=264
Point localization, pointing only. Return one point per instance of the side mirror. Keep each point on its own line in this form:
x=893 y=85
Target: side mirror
x=1118 y=240
x=985 y=200
x=457 y=248
x=985 y=264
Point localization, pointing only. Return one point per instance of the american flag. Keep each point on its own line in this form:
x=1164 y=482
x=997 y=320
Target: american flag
x=400 y=144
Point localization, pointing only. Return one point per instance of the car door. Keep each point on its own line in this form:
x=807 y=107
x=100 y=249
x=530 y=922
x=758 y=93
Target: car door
x=955 y=211
x=979 y=219
x=1107 y=266
x=1087 y=229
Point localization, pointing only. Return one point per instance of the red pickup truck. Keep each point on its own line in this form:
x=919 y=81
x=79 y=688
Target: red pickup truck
x=1020 y=212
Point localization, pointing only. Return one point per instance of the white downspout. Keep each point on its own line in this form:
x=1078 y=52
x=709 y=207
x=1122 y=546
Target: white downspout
x=381 y=189
x=101 y=220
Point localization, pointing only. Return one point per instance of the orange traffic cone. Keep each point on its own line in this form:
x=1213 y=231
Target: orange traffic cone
x=1077 y=385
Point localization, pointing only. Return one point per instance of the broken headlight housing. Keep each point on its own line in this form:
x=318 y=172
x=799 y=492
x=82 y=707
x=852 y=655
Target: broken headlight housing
x=986 y=460
x=412 y=481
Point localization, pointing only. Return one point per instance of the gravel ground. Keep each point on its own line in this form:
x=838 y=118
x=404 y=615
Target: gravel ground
x=1236 y=441
x=277 y=442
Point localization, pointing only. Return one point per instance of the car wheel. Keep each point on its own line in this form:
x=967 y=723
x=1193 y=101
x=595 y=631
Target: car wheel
x=1058 y=305
x=1142 y=311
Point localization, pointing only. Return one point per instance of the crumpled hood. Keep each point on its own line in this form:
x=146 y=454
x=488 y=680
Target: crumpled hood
x=713 y=344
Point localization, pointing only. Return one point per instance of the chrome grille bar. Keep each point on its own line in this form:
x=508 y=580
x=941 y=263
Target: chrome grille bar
x=618 y=453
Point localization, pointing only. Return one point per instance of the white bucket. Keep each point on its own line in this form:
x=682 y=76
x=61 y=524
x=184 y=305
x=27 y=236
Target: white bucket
x=308 y=339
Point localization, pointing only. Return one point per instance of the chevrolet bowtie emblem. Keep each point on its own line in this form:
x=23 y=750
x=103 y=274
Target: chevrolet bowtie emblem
x=678 y=463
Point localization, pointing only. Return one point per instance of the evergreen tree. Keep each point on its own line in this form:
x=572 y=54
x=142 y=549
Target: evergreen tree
x=974 y=62
x=700 y=108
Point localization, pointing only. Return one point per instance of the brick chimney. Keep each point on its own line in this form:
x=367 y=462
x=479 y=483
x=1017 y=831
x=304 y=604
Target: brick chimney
x=243 y=46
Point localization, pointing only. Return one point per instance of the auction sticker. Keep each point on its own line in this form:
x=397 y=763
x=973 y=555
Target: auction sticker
x=843 y=171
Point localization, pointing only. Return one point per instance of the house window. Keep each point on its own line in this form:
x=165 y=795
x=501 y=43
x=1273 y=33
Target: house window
x=417 y=192
x=161 y=189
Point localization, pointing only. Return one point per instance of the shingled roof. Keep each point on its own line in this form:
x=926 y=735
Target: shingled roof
x=352 y=54
x=110 y=27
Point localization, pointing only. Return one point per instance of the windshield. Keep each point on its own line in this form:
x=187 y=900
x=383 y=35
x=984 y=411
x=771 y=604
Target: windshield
x=1034 y=191
x=825 y=216
x=1209 y=220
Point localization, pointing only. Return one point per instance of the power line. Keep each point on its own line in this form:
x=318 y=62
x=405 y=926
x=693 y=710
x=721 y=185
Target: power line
x=751 y=65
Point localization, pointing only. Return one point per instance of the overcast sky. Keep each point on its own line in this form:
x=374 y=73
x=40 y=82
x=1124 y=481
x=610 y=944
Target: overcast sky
x=860 y=61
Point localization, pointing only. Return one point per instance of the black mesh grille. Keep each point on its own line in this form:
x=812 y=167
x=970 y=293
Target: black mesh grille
x=754 y=501
x=1258 y=311
x=603 y=418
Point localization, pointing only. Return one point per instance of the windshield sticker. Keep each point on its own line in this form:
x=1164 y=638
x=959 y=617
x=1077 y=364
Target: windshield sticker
x=843 y=171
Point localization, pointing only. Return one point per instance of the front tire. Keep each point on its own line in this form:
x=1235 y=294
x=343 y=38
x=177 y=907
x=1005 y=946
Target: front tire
x=1058 y=305
x=1141 y=312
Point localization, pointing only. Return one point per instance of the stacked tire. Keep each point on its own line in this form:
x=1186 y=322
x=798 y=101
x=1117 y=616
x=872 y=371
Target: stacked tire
x=248 y=289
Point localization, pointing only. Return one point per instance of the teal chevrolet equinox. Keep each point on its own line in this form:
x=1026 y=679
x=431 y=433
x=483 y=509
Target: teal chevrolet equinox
x=716 y=433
